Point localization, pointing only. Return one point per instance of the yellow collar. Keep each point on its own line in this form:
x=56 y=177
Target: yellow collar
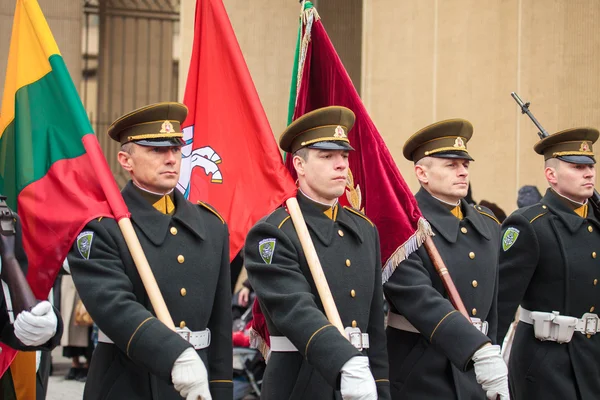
x=582 y=211
x=165 y=205
x=331 y=212
x=457 y=212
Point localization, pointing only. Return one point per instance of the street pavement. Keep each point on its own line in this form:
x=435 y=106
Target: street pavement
x=58 y=387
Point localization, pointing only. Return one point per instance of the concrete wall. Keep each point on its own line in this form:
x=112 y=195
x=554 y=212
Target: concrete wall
x=64 y=17
x=428 y=60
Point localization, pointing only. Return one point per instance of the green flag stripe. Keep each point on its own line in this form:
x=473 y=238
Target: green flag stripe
x=47 y=128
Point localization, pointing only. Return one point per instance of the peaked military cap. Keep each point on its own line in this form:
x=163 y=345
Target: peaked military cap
x=324 y=128
x=153 y=125
x=444 y=139
x=571 y=145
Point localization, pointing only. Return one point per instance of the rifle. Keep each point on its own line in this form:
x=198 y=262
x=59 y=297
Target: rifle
x=595 y=199
x=21 y=295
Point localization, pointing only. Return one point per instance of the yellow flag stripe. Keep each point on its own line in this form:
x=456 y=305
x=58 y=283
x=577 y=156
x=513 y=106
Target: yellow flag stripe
x=31 y=46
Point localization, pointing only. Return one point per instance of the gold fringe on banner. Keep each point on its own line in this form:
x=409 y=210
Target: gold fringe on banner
x=411 y=245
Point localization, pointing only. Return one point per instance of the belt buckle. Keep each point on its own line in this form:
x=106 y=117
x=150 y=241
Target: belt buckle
x=185 y=334
x=482 y=326
x=355 y=337
x=590 y=323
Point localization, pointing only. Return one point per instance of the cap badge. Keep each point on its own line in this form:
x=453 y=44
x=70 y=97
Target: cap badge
x=459 y=143
x=339 y=132
x=166 y=127
x=584 y=146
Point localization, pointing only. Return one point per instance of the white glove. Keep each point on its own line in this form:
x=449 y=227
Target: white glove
x=491 y=372
x=190 y=377
x=36 y=327
x=357 y=382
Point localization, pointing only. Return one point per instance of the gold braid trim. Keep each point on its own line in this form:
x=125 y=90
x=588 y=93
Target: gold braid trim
x=154 y=136
x=311 y=338
x=536 y=217
x=325 y=139
x=283 y=222
x=572 y=153
x=353 y=211
x=439 y=323
x=441 y=149
x=136 y=329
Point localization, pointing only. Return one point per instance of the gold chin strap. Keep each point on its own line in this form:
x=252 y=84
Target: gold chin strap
x=582 y=211
x=165 y=205
x=331 y=212
x=457 y=212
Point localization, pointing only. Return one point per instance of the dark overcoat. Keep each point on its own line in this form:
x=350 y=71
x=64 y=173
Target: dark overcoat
x=551 y=265
x=436 y=363
x=188 y=253
x=348 y=249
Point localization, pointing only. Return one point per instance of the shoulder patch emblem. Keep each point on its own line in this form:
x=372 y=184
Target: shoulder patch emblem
x=84 y=243
x=509 y=238
x=266 y=248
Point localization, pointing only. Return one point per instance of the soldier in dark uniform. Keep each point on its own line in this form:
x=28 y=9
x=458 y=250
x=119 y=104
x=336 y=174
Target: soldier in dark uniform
x=309 y=357
x=432 y=348
x=186 y=244
x=549 y=266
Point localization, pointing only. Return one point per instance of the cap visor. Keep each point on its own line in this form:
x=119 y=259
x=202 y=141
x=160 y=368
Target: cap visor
x=453 y=154
x=170 y=142
x=330 y=145
x=578 y=159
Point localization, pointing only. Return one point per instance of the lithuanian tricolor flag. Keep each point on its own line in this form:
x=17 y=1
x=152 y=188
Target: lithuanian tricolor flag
x=51 y=167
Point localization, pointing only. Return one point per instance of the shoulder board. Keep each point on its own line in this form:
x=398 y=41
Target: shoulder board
x=278 y=217
x=534 y=212
x=487 y=212
x=356 y=212
x=211 y=209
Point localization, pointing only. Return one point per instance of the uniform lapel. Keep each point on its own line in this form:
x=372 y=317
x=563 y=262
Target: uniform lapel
x=476 y=220
x=571 y=220
x=438 y=216
x=321 y=225
x=187 y=215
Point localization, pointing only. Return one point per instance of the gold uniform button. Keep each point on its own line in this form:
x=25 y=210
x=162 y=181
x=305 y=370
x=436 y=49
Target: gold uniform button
x=173 y=231
x=353 y=293
x=592 y=308
x=471 y=255
x=544 y=207
x=180 y=259
x=593 y=254
x=183 y=291
x=588 y=336
x=474 y=283
x=182 y=324
x=590 y=229
x=595 y=282
x=463 y=229
x=341 y=233
x=354 y=324
x=348 y=263
x=474 y=311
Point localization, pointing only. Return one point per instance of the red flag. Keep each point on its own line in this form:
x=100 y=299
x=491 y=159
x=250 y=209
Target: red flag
x=53 y=170
x=375 y=185
x=227 y=132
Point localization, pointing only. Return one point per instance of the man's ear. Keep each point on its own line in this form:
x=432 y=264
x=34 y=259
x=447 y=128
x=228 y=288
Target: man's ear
x=551 y=175
x=299 y=165
x=422 y=174
x=125 y=160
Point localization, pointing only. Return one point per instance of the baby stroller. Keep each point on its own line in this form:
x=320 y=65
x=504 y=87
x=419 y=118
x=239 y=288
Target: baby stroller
x=248 y=364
